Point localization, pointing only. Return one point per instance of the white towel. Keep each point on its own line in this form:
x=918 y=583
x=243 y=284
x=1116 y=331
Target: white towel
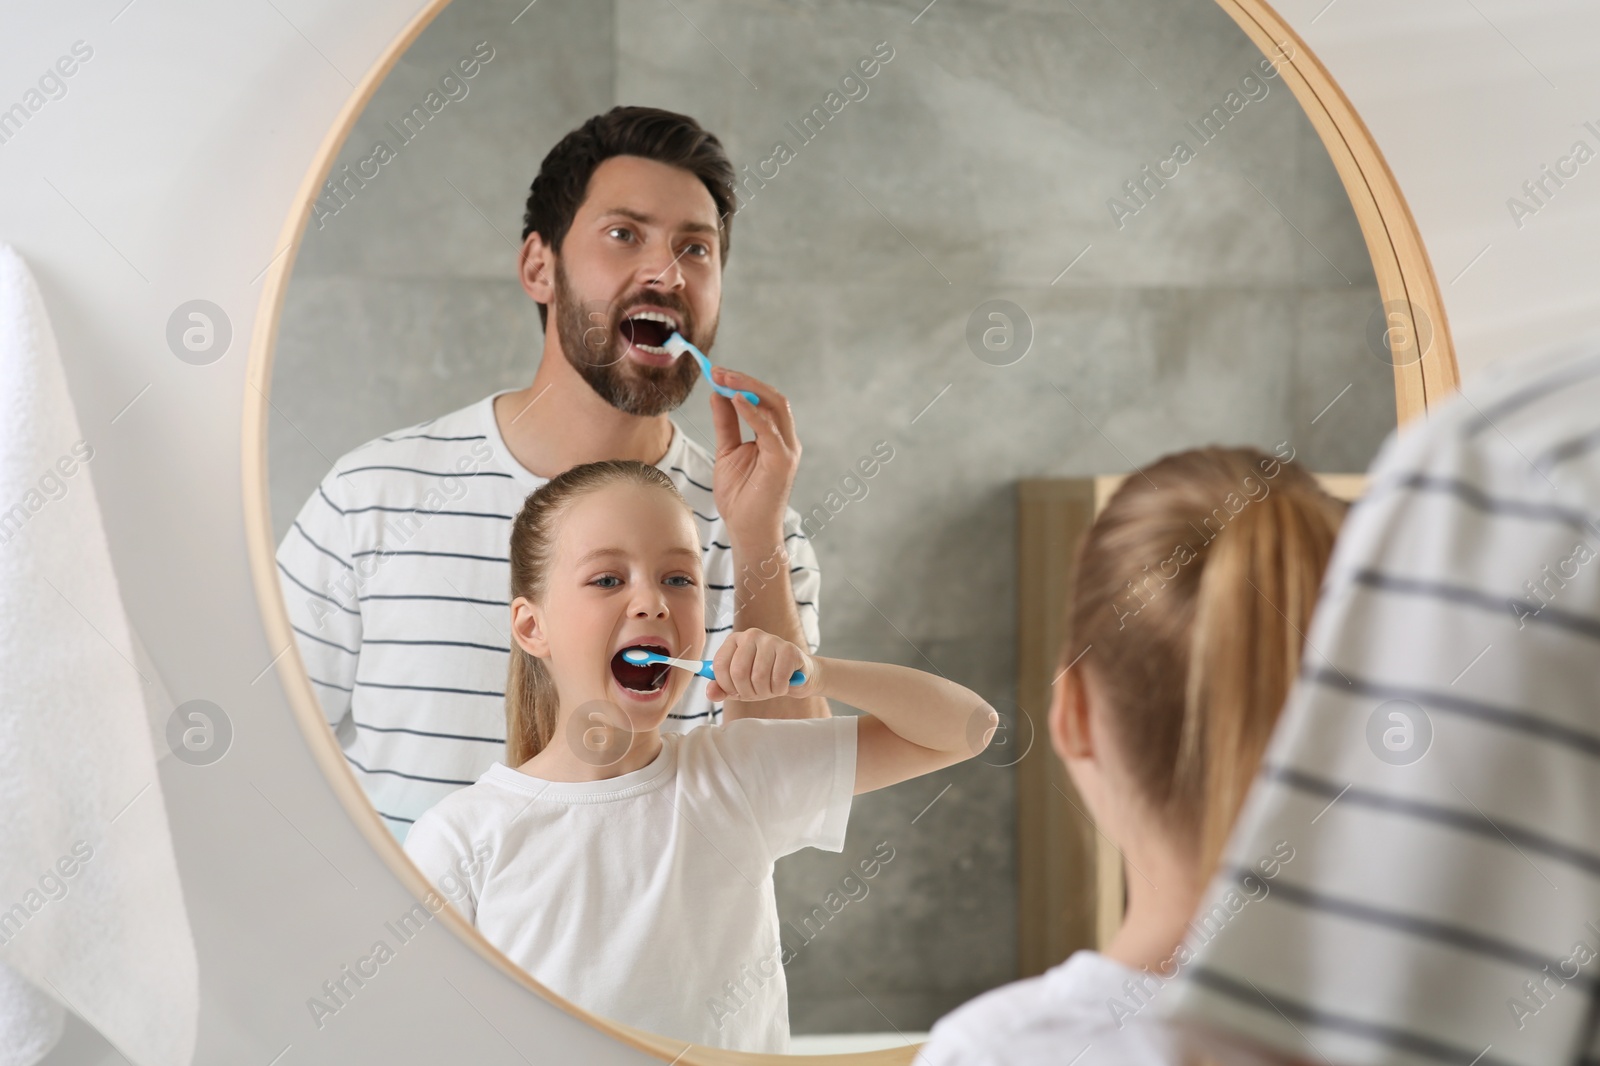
x=91 y=908
x=30 y=1022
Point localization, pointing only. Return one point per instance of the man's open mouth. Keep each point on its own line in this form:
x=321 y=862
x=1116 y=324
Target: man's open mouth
x=640 y=678
x=648 y=331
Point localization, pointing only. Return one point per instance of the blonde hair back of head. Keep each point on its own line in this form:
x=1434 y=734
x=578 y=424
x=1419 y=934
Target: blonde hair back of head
x=532 y=702
x=1193 y=590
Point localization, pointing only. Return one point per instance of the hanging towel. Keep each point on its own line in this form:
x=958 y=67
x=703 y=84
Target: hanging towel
x=30 y=1021
x=91 y=909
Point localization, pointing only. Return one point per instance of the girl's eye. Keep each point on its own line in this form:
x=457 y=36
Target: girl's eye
x=688 y=582
x=607 y=577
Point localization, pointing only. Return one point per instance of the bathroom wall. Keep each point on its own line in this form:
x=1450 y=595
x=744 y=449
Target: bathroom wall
x=1231 y=307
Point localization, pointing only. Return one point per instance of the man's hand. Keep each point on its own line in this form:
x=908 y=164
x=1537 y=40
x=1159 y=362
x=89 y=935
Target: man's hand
x=753 y=478
x=751 y=486
x=755 y=665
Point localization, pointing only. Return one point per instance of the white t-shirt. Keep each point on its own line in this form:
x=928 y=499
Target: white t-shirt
x=648 y=898
x=1437 y=765
x=1087 y=1011
x=397 y=581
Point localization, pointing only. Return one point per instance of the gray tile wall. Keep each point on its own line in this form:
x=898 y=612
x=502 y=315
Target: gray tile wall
x=1231 y=308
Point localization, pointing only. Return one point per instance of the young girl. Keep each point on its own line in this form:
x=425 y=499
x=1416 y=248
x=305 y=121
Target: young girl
x=1193 y=590
x=630 y=871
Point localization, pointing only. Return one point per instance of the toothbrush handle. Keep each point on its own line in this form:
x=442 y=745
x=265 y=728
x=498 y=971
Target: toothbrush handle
x=705 y=368
x=723 y=390
x=796 y=678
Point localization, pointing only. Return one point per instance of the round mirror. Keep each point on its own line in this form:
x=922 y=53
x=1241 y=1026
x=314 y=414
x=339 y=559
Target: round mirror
x=972 y=246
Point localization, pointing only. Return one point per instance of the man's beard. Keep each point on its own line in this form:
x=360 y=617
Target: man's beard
x=592 y=339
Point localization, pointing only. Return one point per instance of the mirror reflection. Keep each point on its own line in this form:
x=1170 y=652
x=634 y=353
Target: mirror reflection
x=948 y=249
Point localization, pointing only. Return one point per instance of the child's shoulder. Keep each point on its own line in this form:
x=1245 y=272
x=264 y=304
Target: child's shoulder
x=754 y=731
x=761 y=742
x=775 y=726
x=1030 y=1020
x=472 y=805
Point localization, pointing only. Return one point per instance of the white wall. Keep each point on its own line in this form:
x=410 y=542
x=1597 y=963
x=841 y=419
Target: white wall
x=164 y=175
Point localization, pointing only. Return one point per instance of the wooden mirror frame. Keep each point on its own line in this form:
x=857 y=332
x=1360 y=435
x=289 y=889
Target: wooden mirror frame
x=1405 y=280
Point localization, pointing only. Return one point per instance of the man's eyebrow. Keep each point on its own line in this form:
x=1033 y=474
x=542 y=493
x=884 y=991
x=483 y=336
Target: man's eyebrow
x=601 y=553
x=649 y=220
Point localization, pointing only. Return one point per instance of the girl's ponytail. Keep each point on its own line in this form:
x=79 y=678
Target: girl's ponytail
x=1192 y=594
x=1257 y=593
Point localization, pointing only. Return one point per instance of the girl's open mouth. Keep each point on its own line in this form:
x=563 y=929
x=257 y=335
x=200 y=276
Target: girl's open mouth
x=649 y=678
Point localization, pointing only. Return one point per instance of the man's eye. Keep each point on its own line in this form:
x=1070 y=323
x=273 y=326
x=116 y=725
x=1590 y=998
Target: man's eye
x=625 y=231
x=703 y=250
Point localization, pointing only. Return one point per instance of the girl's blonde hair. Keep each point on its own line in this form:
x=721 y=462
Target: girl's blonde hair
x=1193 y=590
x=532 y=703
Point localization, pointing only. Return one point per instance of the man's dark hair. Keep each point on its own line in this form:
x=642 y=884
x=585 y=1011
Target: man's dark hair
x=665 y=136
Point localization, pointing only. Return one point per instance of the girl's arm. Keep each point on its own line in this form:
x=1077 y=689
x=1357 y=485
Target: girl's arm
x=916 y=722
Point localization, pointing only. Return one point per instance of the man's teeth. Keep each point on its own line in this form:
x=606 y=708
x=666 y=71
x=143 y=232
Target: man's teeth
x=656 y=316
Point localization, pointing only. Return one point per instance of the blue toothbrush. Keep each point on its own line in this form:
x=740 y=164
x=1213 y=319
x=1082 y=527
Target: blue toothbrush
x=640 y=657
x=677 y=346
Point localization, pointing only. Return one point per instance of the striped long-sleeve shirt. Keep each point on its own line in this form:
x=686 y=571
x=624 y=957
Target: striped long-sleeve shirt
x=397 y=581
x=1436 y=770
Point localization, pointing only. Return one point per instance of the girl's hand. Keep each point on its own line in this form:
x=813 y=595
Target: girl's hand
x=755 y=665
